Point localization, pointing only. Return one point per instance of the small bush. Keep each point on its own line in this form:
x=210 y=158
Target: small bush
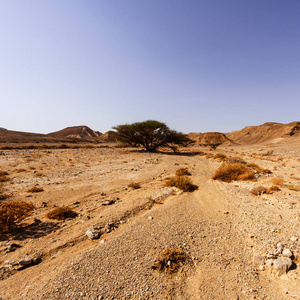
x=3 y=177
x=229 y=172
x=170 y=260
x=20 y=170
x=220 y=156
x=182 y=172
x=35 y=190
x=12 y=213
x=61 y=213
x=277 y=181
x=273 y=188
x=236 y=160
x=292 y=187
x=182 y=182
x=259 y=169
x=134 y=185
x=259 y=190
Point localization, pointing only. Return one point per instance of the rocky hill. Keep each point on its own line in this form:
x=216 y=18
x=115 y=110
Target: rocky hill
x=78 y=132
x=268 y=132
x=210 y=138
x=108 y=137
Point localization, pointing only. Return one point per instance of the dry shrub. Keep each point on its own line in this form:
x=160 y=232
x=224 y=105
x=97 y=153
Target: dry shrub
x=184 y=183
x=61 y=213
x=259 y=190
x=220 y=156
x=182 y=172
x=134 y=185
x=209 y=155
x=259 y=169
x=12 y=213
x=277 y=181
x=273 y=188
x=236 y=160
x=292 y=187
x=35 y=190
x=229 y=172
x=20 y=170
x=3 y=177
x=170 y=260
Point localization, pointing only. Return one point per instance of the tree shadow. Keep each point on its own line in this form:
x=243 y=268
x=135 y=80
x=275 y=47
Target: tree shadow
x=178 y=153
x=35 y=230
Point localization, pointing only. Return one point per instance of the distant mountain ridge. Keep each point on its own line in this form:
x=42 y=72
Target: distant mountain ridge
x=270 y=132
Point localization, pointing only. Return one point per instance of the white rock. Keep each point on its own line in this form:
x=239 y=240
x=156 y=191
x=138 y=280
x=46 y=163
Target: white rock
x=279 y=247
x=258 y=260
x=269 y=262
x=92 y=234
x=150 y=218
x=287 y=253
x=282 y=265
x=26 y=261
x=294 y=239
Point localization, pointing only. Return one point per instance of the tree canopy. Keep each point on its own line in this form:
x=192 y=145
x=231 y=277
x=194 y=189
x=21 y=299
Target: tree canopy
x=150 y=134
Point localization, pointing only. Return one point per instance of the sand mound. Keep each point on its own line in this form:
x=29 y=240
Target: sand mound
x=268 y=132
x=78 y=132
x=210 y=138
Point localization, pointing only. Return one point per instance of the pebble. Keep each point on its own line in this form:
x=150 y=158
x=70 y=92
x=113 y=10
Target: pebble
x=294 y=239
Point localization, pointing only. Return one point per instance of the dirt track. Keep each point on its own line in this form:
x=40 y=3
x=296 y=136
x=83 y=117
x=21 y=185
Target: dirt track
x=220 y=226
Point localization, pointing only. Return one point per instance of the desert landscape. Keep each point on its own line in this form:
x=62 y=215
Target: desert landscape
x=129 y=233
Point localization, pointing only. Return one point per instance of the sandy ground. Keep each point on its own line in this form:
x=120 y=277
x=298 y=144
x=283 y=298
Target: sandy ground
x=220 y=226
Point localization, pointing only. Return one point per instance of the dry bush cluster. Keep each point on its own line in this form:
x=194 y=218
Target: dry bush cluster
x=3 y=176
x=277 y=181
x=233 y=171
x=134 y=185
x=182 y=172
x=35 y=190
x=259 y=169
x=61 y=213
x=184 y=183
x=170 y=260
x=220 y=157
x=12 y=213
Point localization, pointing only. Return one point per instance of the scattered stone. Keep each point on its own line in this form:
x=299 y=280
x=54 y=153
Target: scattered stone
x=279 y=247
x=258 y=260
x=12 y=247
x=287 y=253
x=150 y=217
x=261 y=268
x=26 y=261
x=294 y=239
x=92 y=234
x=269 y=262
x=76 y=202
x=282 y=265
x=102 y=241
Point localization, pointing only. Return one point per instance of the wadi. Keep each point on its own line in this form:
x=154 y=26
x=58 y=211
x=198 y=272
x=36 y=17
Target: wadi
x=85 y=216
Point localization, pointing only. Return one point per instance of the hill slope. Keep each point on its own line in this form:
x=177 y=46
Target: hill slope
x=268 y=132
x=210 y=138
x=78 y=132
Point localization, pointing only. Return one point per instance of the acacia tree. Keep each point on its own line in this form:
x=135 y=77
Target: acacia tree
x=150 y=134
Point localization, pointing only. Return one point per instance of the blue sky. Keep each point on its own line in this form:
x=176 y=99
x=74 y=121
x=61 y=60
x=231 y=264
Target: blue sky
x=197 y=65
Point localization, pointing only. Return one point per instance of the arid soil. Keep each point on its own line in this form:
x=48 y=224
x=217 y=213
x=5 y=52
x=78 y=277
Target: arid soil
x=221 y=227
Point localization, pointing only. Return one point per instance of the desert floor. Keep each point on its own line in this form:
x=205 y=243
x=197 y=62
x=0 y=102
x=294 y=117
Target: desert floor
x=220 y=226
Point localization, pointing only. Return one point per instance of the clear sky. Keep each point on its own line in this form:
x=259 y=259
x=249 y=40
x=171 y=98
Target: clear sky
x=197 y=65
